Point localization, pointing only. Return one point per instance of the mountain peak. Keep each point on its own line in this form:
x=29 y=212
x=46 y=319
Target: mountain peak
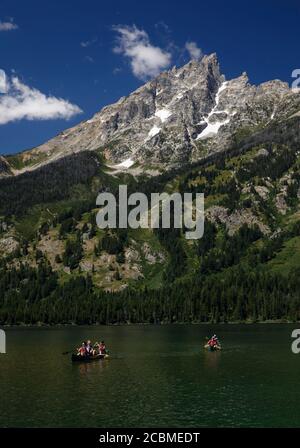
x=210 y=59
x=206 y=61
x=168 y=120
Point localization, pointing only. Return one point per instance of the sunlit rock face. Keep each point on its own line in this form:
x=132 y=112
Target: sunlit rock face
x=180 y=116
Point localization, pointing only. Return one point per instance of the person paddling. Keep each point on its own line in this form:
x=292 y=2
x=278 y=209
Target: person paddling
x=96 y=349
x=89 y=348
x=214 y=340
x=102 y=348
x=81 y=351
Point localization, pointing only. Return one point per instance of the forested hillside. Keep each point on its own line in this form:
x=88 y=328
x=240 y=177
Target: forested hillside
x=58 y=267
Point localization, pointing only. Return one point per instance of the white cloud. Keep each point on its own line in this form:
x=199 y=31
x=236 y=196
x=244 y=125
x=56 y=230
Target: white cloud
x=146 y=60
x=194 y=51
x=3 y=82
x=8 y=26
x=20 y=101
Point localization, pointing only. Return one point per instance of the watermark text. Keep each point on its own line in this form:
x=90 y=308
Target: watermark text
x=164 y=211
x=2 y=341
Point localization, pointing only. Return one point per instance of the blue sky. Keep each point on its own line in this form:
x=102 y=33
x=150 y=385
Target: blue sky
x=69 y=51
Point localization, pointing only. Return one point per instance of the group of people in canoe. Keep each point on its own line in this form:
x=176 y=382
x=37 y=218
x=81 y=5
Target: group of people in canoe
x=89 y=349
x=213 y=343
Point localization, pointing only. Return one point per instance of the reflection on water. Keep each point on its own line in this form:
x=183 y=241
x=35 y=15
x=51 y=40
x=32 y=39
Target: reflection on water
x=85 y=368
x=211 y=359
x=156 y=376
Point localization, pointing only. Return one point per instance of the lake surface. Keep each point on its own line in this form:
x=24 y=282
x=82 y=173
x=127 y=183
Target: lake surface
x=157 y=376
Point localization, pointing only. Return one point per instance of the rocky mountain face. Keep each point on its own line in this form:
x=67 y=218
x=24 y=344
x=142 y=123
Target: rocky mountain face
x=181 y=116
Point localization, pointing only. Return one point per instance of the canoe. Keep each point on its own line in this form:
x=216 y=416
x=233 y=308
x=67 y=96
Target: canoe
x=212 y=349
x=76 y=358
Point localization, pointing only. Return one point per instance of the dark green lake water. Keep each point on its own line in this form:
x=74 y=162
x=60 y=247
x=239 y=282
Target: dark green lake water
x=157 y=376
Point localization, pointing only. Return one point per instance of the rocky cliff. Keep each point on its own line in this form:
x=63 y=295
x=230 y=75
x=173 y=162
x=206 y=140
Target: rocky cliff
x=180 y=116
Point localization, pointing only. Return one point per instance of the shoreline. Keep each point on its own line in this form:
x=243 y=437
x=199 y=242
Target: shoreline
x=61 y=325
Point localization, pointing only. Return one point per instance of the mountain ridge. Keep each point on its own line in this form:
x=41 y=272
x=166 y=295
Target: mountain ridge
x=180 y=116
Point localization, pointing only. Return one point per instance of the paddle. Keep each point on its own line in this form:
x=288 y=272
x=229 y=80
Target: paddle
x=67 y=353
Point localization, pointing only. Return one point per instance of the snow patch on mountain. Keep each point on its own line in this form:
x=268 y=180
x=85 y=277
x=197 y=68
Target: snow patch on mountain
x=163 y=114
x=154 y=131
x=126 y=164
x=213 y=128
